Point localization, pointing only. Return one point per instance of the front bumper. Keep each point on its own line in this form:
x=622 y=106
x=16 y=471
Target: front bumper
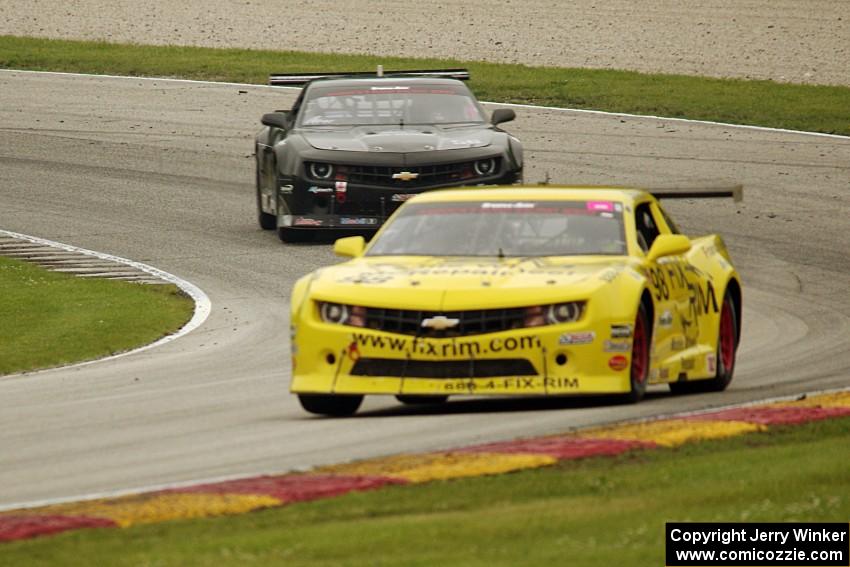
x=552 y=360
x=310 y=204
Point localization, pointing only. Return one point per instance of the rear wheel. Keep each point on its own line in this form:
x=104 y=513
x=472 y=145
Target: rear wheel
x=336 y=406
x=727 y=348
x=639 y=370
x=413 y=400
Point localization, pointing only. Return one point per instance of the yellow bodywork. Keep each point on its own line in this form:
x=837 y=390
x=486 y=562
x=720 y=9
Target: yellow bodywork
x=588 y=356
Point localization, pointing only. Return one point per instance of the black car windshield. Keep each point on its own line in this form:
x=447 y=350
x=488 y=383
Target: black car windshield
x=388 y=105
x=504 y=229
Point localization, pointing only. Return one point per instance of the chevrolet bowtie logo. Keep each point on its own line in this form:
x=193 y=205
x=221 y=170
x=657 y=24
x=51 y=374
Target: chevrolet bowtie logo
x=440 y=323
x=405 y=175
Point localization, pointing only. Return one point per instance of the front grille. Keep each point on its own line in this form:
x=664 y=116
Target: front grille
x=408 y=322
x=428 y=175
x=487 y=368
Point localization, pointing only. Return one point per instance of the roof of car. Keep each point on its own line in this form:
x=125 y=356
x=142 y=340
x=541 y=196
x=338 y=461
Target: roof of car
x=534 y=193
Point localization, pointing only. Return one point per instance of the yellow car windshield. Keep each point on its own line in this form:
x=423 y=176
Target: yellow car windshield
x=504 y=229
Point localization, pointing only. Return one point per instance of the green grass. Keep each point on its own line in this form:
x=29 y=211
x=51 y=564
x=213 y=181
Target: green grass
x=49 y=319
x=764 y=103
x=602 y=511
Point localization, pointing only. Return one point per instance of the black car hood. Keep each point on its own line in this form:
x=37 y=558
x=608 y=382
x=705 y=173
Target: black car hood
x=399 y=139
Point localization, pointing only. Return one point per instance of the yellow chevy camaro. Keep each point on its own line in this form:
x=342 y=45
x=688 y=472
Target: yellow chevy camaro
x=517 y=291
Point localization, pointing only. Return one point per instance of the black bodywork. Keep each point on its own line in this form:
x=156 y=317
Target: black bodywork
x=352 y=149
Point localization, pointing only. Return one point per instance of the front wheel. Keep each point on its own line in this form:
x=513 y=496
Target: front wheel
x=639 y=370
x=336 y=406
x=267 y=221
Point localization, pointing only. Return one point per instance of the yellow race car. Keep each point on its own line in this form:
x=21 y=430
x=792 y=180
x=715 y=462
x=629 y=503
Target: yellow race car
x=518 y=291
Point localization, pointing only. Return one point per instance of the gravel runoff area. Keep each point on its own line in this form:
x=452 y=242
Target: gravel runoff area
x=783 y=40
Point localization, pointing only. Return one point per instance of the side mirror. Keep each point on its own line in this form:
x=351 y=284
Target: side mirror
x=275 y=119
x=350 y=246
x=501 y=115
x=668 y=245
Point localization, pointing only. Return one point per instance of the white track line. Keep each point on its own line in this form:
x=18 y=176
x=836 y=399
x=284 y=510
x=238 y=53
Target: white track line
x=203 y=305
x=187 y=483
x=514 y=105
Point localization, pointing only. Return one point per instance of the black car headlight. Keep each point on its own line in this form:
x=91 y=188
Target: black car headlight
x=484 y=167
x=320 y=170
x=555 y=314
x=340 y=314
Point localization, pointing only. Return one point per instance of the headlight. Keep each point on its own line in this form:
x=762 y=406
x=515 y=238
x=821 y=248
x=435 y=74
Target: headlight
x=485 y=166
x=339 y=314
x=321 y=170
x=555 y=314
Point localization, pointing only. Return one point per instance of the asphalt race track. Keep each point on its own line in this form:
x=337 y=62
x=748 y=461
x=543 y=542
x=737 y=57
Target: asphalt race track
x=161 y=172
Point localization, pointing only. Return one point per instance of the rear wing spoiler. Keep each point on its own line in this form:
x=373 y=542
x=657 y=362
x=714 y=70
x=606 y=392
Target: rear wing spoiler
x=736 y=192
x=300 y=79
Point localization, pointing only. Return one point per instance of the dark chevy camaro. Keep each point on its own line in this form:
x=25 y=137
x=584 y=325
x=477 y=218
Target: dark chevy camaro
x=353 y=148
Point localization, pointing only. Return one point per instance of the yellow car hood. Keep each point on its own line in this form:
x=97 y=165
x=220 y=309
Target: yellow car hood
x=463 y=283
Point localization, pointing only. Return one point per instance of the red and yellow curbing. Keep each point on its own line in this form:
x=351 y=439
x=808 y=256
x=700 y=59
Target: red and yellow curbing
x=244 y=495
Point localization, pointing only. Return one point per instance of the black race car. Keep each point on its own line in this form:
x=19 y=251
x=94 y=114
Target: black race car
x=355 y=146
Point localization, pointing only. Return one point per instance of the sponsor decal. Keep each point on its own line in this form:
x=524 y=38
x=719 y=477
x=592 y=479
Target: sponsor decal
x=401 y=197
x=316 y=189
x=711 y=362
x=286 y=189
x=507 y=205
x=687 y=364
x=422 y=346
x=304 y=221
x=600 y=206
x=405 y=175
x=617 y=346
x=357 y=221
x=621 y=331
x=618 y=362
x=512 y=383
x=582 y=338
x=677 y=343
x=666 y=319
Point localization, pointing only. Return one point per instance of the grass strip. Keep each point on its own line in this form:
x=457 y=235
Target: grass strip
x=50 y=319
x=763 y=103
x=600 y=511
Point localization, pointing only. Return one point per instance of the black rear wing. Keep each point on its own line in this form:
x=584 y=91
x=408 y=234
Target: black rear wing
x=300 y=79
x=736 y=192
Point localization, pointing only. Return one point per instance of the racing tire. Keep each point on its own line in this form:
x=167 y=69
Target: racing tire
x=639 y=368
x=336 y=406
x=727 y=348
x=296 y=235
x=267 y=221
x=419 y=400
